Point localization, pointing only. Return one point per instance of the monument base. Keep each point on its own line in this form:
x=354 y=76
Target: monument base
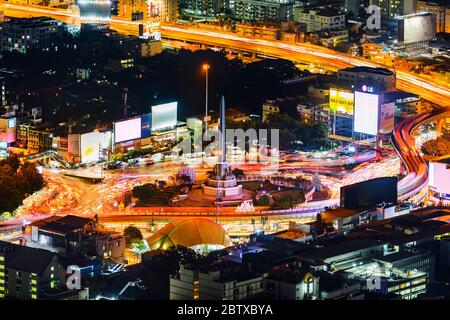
x=220 y=192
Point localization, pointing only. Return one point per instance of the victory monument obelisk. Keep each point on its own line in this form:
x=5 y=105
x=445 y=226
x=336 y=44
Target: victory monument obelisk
x=222 y=183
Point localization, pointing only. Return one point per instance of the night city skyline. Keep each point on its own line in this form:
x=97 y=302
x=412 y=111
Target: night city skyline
x=243 y=152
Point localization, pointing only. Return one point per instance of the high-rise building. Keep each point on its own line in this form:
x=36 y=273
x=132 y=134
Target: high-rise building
x=199 y=8
x=356 y=9
x=390 y=9
x=394 y=8
x=133 y=10
x=441 y=9
x=169 y=11
x=281 y=10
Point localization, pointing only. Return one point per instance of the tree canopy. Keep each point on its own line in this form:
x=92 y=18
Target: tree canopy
x=132 y=235
x=437 y=147
x=17 y=181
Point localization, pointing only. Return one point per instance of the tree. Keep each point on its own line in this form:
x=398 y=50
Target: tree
x=17 y=181
x=28 y=179
x=239 y=173
x=437 y=147
x=132 y=235
x=162 y=184
x=290 y=200
x=144 y=193
x=263 y=201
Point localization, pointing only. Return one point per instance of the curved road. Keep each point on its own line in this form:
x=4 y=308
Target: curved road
x=417 y=178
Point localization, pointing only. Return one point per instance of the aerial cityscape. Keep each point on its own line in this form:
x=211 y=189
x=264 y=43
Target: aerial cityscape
x=246 y=150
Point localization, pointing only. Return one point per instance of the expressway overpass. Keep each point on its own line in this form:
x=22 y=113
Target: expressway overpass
x=416 y=181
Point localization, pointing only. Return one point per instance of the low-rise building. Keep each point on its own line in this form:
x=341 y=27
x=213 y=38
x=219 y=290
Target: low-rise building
x=291 y=285
x=313 y=114
x=34 y=139
x=322 y=19
x=223 y=280
x=385 y=79
x=24 y=34
x=27 y=273
x=73 y=236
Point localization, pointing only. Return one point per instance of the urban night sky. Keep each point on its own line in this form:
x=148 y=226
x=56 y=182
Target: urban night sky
x=251 y=150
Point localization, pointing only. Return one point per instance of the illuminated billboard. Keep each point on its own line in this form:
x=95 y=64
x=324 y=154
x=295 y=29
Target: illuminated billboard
x=387 y=115
x=146 y=126
x=164 y=116
x=365 y=118
x=127 y=130
x=341 y=101
x=95 y=11
x=417 y=27
x=93 y=144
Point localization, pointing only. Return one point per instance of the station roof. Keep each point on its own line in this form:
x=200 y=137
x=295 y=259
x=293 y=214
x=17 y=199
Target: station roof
x=189 y=233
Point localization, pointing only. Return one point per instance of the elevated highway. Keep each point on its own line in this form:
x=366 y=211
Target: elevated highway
x=416 y=181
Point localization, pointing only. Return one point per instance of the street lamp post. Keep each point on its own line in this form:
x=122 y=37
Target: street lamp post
x=206 y=68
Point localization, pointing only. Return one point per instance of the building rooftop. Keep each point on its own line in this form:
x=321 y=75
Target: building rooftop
x=363 y=69
x=331 y=215
x=330 y=250
x=24 y=258
x=34 y=22
x=397 y=256
x=62 y=225
x=327 y=12
x=289 y=276
x=393 y=96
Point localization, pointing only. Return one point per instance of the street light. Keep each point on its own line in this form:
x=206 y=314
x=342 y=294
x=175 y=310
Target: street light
x=206 y=69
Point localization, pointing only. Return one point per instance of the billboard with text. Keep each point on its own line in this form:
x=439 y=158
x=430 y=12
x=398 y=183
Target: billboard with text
x=341 y=101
